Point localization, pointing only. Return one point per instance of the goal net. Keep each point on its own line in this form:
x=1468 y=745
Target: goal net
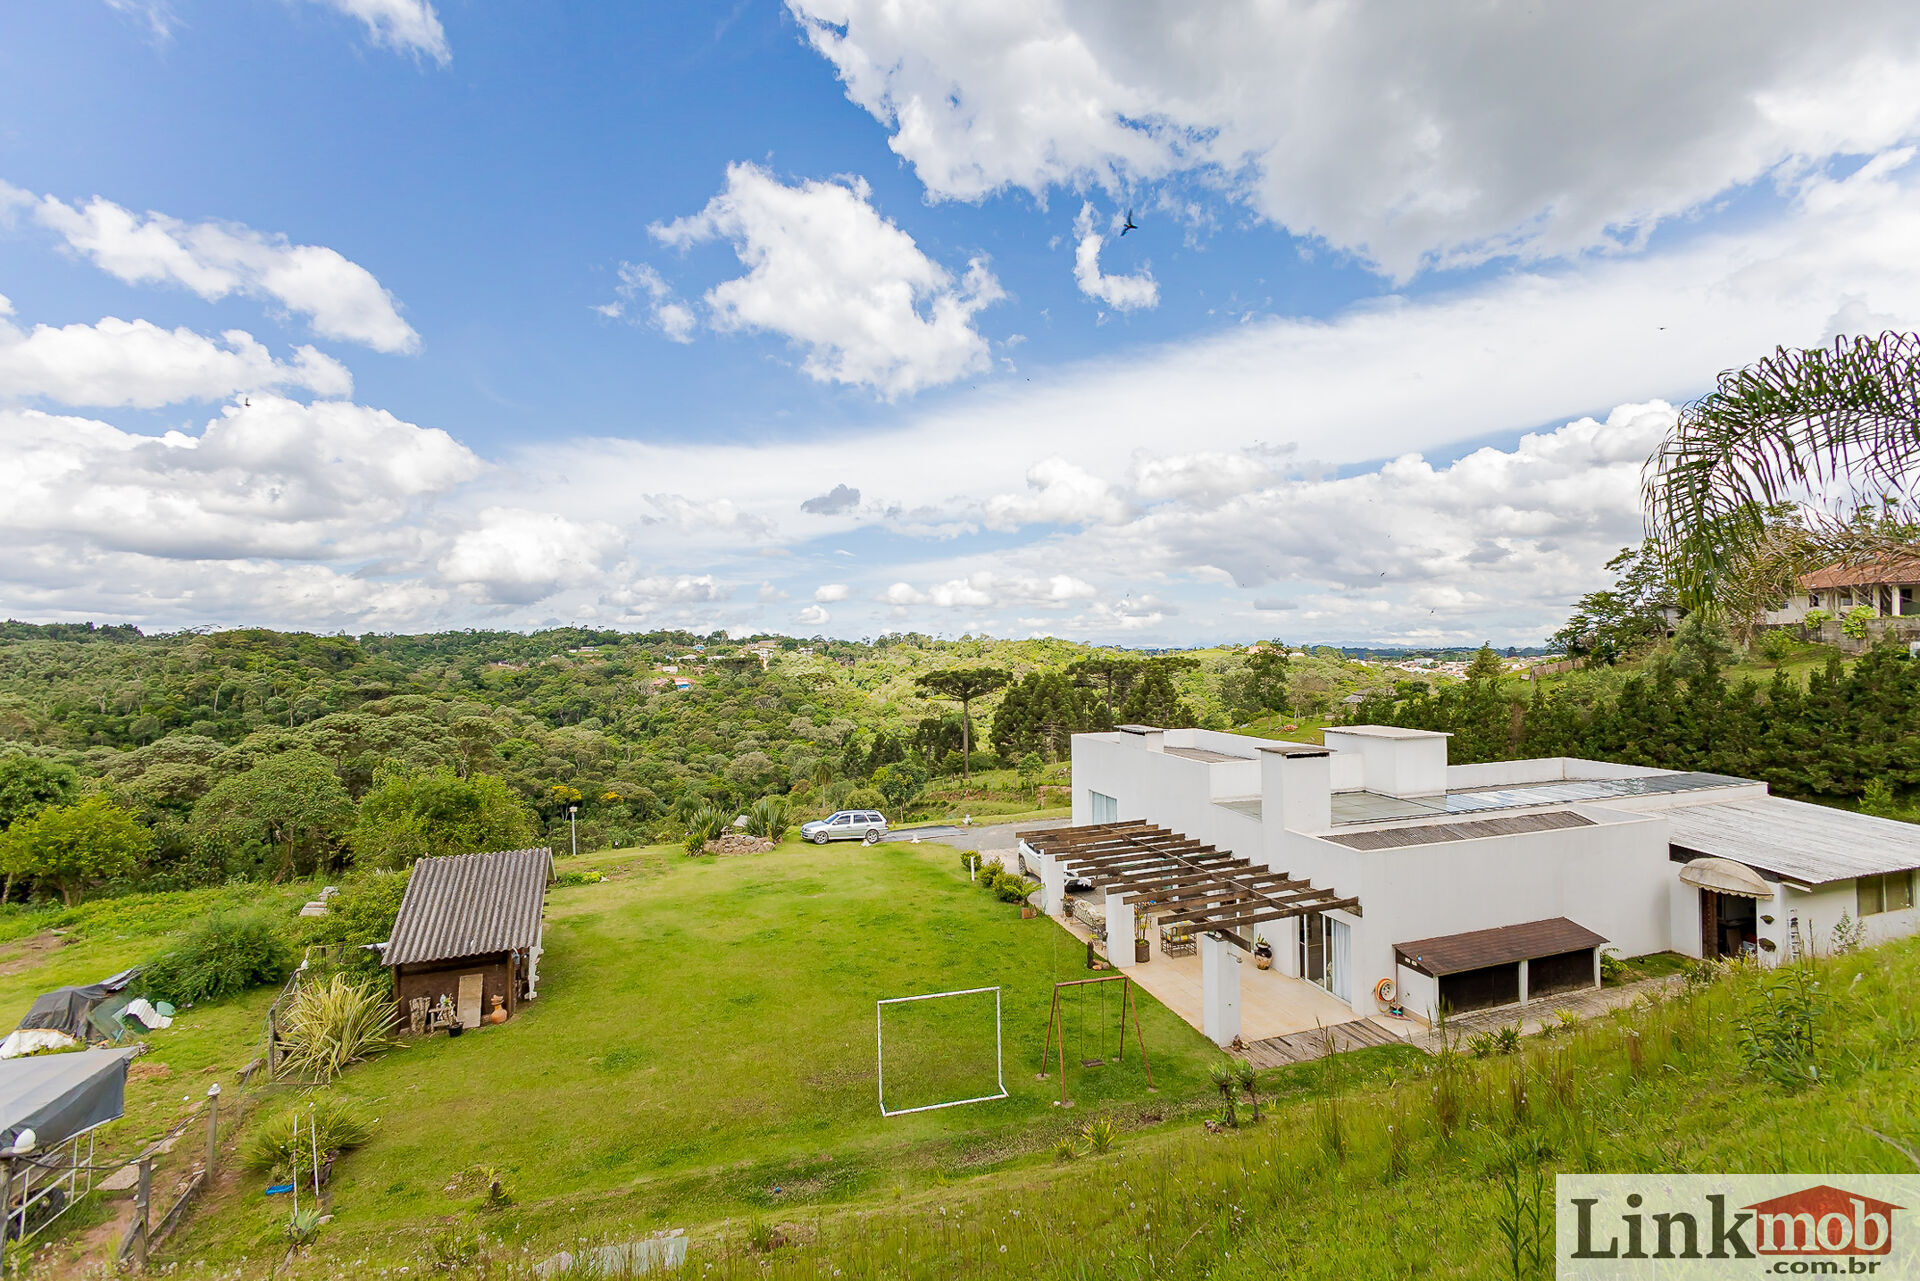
x=940 y=1050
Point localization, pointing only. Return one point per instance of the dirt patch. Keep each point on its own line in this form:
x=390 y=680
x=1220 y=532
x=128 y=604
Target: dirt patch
x=147 y=1070
x=16 y=958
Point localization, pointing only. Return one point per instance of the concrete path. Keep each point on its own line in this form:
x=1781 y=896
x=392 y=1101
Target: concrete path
x=987 y=838
x=1586 y=1003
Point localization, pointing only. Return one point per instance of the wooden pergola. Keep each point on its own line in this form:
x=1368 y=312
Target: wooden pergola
x=1185 y=882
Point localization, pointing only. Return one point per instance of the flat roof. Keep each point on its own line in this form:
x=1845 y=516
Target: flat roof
x=1792 y=840
x=1502 y=945
x=1206 y=754
x=1383 y=838
x=1377 y=807
x=1385 y=731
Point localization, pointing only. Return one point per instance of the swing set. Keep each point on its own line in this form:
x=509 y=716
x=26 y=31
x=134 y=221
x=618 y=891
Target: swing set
x=1057 y=1029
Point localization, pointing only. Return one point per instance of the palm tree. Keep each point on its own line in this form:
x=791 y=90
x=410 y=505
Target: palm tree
x=1838 y=426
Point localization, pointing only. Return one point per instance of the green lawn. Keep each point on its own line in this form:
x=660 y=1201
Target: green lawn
x=703 y=1047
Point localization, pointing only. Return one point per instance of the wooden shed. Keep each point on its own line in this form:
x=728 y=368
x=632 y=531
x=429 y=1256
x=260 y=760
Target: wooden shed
x=469 y=929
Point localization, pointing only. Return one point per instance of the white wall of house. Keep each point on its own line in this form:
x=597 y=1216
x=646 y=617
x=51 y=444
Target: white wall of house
x=1611 y=877
x=1401 y=763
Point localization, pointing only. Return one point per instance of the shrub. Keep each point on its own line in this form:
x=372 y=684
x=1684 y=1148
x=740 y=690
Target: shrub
x=864 y=798
x=362 y=912
x=1613 y=970
x=707 y=823
x=332 y=1025
x=1100 y=1133
x=1779 y=1033
x=223 y=954
x=283 y=1143
x=1011 y=889
x=1776 y=646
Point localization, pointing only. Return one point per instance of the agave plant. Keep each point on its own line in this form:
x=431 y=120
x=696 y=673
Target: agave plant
x=705 y=824
x=331 y=1026
x=1100 y=1133
x=769 y=817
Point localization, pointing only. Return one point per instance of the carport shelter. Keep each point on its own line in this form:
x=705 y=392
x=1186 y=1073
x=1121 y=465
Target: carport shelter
x=1483 y=968
x=469 y=929
x=61 y=1096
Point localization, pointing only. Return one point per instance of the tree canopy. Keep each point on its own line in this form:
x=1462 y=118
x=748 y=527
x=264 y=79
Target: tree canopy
x=74 y=847
x=412 y=814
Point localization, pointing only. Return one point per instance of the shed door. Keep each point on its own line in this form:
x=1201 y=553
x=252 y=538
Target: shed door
x=468 y=1007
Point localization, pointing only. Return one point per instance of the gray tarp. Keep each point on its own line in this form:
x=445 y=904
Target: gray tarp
x=65 y=1009
x=60 y=1095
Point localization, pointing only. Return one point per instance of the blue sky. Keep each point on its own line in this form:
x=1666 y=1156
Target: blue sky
x=383 y=314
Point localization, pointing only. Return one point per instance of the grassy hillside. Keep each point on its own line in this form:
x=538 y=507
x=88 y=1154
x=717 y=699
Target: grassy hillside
x=701 y=1057
x=703 y=1048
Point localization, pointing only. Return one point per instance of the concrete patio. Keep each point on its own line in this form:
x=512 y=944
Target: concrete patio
x=1271 y=1004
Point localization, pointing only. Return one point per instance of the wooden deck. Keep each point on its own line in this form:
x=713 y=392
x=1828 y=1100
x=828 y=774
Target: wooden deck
x=1299 y=1047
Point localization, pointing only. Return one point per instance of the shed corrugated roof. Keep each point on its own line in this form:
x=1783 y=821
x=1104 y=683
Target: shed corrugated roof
x=471 y=905
x=1384 y=838
x=1792 y=839
x=1503 y=945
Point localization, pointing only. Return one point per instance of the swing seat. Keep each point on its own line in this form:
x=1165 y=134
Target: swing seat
x=1093 y=1062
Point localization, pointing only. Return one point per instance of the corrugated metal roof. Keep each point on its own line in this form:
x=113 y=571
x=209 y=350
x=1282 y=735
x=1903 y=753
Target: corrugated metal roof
x=1384 y=838
x=1794 y=840
x=471 y=905
x=1477 y=949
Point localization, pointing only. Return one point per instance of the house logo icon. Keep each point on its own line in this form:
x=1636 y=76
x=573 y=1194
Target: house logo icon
x=1822 y=1220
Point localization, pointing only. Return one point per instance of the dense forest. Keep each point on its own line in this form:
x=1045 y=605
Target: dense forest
x=195 y=758
x=1848 y=734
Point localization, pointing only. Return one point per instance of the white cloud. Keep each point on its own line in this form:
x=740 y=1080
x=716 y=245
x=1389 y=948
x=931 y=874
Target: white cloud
x=1402 y=135
x=340 y=298
x=986 y=590
x=513 y=556
x=407 y=26
x=827 y=272
x=156 y=15
x=1123 y=293
x=641 y=283
x=331 y=480
x=813 y=616
x=139 y=364
x=831 y=592
x=1058 y=492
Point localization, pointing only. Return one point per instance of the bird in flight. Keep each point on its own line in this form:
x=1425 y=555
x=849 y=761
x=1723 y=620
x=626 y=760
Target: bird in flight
x=1130 y=224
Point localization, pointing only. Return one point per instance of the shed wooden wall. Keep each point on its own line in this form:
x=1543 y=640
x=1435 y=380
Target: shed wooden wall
x=436 y=977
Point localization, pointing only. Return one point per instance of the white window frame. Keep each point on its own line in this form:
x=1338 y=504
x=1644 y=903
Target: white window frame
x=880 y=1049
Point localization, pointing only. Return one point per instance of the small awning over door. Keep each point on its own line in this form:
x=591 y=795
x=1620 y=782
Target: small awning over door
x=1724 y=876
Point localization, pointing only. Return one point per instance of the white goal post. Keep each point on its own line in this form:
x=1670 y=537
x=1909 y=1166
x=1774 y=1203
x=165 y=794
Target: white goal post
x=880 y=1049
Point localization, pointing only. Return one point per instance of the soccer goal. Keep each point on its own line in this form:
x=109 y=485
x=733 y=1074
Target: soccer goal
x=937 y=1047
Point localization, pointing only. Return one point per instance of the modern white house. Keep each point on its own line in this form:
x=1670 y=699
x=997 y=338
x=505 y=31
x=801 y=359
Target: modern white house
x=1467 y=886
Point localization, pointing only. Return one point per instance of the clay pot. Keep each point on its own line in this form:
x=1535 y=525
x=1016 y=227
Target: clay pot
x=499 y=1014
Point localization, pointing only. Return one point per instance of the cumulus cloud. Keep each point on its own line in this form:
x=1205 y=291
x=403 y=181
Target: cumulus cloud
x=813 y=616
x=406 y=26
x=1059 y=493
x=276 y=478
x=340 y=298
x=986 y=590
x=642 y=285
x=839 y=499
x=828 y=273
x=513 y=556
x=830 y=592
x=1122 y=293
x=1578 y=128
x=138 y=364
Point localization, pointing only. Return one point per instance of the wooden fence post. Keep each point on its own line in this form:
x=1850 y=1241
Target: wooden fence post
x=213 y=1125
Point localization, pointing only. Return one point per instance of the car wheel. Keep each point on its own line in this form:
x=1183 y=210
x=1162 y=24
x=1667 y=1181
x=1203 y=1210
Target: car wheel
x=873 y=836
x=819 y=838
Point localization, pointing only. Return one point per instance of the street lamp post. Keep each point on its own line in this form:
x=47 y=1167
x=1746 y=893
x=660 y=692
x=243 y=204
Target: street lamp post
x=573 y=827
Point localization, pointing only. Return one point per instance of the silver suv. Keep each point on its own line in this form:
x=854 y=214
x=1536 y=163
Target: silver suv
x=846 y=825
